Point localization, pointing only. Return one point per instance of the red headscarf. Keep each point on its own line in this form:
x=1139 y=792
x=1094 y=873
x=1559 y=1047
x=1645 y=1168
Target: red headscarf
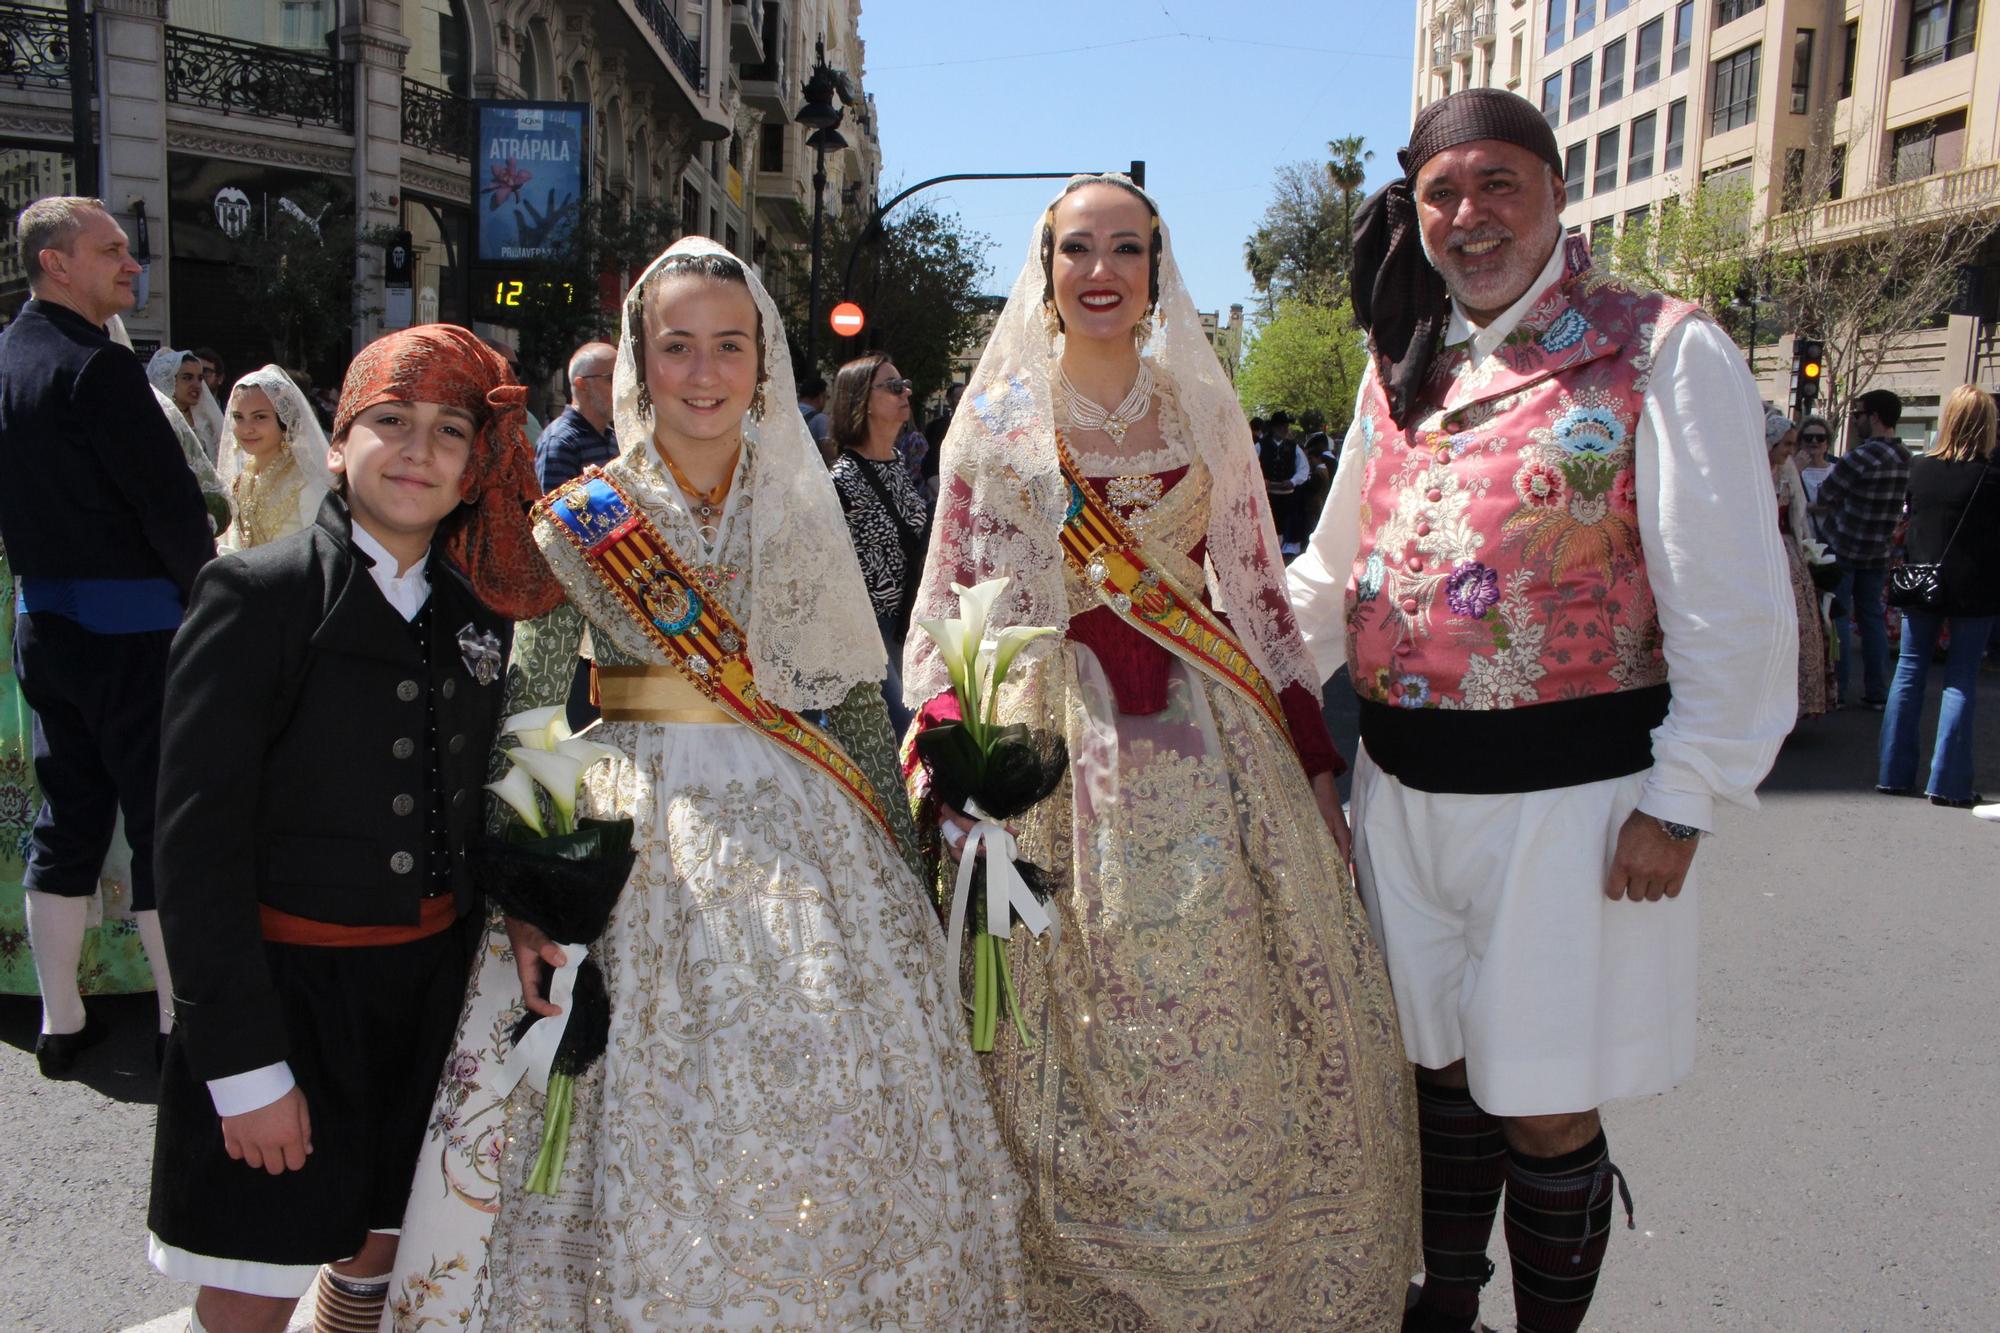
x=489 y=538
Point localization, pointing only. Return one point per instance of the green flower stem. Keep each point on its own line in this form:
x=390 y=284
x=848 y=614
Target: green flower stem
x=1006 y=980
x=555 y=1136
x=982 y=993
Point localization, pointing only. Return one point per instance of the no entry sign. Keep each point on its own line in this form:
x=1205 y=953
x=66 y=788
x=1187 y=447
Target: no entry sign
x=846 y=319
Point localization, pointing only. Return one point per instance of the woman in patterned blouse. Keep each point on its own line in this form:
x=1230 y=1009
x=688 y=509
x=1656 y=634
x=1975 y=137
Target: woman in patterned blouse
x=886 y=513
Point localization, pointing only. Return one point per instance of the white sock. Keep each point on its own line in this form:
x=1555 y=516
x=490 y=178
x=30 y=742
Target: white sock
x=55 y=934
x=156 y=958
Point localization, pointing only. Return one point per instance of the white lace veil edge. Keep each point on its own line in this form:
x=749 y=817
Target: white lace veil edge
x=811 y=628
x=161 y=369
x=303 y=438
x=1002 y=498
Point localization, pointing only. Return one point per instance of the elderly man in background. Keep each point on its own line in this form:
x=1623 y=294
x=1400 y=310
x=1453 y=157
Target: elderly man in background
x=105 y=529
x=581 y=437
x=1551 y=566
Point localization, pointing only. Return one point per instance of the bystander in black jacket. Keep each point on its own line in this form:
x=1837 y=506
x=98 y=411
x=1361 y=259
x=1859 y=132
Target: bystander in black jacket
x=93 y=484
x=318 y=759
x=1941 y=490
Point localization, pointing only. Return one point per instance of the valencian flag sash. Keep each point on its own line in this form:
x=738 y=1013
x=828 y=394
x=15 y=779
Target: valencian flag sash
x=695 y=633
x=1102 y=547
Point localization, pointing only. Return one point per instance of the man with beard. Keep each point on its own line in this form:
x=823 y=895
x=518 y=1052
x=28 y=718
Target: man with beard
x=1551 y=565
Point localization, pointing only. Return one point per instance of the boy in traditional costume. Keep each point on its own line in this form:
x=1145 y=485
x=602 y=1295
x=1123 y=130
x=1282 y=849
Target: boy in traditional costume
x=332 y=702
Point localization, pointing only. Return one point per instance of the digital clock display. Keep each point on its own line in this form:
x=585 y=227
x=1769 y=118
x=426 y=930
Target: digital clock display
x=501 y=295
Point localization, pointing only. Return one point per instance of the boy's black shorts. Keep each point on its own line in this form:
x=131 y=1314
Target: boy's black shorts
x=370 y=1028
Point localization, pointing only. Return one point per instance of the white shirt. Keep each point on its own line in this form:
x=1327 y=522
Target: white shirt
x=254 y=1088
x=1709 y=531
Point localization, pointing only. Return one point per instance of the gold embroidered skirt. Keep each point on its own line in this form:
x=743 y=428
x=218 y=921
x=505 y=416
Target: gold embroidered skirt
x=1216 y=1120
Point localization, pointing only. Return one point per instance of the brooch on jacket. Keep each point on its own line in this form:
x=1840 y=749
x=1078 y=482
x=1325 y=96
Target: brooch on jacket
x=481 y=651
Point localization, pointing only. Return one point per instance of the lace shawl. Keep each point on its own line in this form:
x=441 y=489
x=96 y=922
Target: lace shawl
x=811 y=629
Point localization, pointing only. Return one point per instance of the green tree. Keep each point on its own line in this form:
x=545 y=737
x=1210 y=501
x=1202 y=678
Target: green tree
x=1305 y=356
x=1303 y=245
x=1700 y=247
x=295 y=280
x=918 y=280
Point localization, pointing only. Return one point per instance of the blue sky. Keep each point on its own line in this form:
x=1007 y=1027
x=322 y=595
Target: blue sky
x=1213 y=96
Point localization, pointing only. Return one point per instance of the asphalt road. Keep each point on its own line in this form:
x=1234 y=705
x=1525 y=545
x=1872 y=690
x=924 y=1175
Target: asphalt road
x=1832 y=1164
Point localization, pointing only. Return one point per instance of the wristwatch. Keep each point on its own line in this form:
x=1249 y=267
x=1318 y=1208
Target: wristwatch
x=1676 y=832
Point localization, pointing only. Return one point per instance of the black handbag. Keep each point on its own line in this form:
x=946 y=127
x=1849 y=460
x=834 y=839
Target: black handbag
x=1914 y=587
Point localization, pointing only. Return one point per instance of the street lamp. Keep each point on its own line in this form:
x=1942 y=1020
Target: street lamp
x=822 y=116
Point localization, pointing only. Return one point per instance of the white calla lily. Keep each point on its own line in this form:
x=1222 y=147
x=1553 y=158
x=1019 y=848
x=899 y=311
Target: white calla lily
x=557 y=774
x=518 y=790
x=975 y=604
x=950 y=638
x=587 y=753
x=539 y=728
x=1005 y=648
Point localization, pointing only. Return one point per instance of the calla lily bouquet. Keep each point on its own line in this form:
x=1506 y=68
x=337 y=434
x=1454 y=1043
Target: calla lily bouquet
x=561 y=874
x=992 y=773
x=1820 y=564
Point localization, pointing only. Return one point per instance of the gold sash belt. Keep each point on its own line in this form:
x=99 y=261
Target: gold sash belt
x=651 y=694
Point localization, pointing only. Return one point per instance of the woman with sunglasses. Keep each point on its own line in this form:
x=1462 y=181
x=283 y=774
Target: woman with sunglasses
x=1815 y=436
x=886 y=513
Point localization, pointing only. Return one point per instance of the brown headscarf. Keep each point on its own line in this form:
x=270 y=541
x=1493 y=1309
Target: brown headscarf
x=488 y=538
x=1398 y=297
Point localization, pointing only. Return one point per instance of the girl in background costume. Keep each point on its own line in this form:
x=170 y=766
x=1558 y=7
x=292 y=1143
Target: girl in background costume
x=1214 y=1114
x=273 y=460
x=787 y=1130
x=169 y=371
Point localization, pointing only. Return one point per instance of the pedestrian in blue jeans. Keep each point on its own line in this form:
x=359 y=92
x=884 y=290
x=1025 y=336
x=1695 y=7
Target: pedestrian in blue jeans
x=1860 y=504
x=1954 y=502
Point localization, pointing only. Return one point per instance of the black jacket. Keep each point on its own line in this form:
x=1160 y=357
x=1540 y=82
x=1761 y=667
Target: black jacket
x=1940 y=491
x=293 y=769
x=93 y=483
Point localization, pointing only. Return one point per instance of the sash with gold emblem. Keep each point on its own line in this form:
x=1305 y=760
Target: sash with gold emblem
x=1102 y=547
x=697 y=634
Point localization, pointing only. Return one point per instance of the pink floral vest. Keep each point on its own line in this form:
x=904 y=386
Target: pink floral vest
x=1500 y=563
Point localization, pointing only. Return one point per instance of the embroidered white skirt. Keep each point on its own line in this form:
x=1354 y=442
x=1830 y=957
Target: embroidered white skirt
x=788 y=1130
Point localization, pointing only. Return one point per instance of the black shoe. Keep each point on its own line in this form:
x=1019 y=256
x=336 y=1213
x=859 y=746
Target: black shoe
x=1874 y=705
x=1966 y=804
x=56 y=1052
x=1896 y=791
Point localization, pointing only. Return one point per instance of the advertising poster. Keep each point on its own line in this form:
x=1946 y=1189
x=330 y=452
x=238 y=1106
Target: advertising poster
x=529 y=174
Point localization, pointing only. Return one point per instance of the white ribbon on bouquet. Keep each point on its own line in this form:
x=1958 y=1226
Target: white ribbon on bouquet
x=534 y=1054
x=1006 y=891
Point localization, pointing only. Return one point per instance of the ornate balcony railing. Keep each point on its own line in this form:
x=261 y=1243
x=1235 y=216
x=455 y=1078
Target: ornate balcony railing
x=684 y=50
x=437 y=121
x=34 y=46
x=267 y=81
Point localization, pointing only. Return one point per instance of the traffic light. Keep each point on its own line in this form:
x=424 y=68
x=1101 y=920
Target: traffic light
x=1808 y=369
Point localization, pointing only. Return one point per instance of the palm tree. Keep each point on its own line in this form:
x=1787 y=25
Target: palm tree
x=1348 y=170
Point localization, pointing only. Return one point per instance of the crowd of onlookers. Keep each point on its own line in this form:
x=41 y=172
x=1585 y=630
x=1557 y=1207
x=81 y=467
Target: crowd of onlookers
x=1886 y=544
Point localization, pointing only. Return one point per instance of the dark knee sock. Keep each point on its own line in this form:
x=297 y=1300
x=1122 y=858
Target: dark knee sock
x=1558 y=1224
x=1465 y=1162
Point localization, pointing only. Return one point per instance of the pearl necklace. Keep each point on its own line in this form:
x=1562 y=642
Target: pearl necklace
x=1087 y=414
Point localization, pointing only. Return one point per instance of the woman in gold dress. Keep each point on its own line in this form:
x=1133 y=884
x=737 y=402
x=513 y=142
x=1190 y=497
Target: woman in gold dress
x=273 y=460
x=1213 y=1113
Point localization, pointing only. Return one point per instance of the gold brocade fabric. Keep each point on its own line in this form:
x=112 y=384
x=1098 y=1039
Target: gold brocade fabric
x=1215 y=1119
x=266 y=502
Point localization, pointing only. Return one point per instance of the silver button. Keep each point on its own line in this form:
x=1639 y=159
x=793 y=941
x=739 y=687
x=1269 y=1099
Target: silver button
x=407 y=691
x=449 y=688
x=402 y=863
x=403 y=748
x=403 y=804
x=456 y=744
